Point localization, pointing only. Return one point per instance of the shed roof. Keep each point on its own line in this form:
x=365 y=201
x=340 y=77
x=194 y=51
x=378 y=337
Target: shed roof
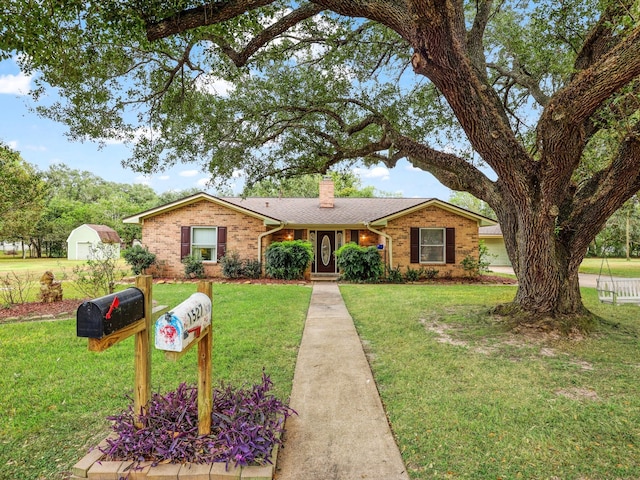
x=106 y=234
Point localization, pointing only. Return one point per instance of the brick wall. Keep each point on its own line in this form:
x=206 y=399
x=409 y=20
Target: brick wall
x=433 y=217
x=161 y=234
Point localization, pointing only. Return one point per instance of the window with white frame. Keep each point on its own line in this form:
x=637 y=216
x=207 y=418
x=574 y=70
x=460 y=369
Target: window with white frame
x=432 y=245
x=204 y=243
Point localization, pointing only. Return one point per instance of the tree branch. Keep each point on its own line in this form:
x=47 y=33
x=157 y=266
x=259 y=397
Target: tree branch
x=606 y=191
x=265 y=36
x=208 y=14
x=602 y=38
x=451 y=170
x=523 y=79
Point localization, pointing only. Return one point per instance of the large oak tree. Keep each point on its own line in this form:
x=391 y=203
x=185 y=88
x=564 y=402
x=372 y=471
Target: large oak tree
x=507 y=100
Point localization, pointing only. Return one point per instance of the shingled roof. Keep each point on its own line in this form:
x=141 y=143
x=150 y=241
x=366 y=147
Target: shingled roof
x=345 y=211
x=308 y=212
x=106 y=234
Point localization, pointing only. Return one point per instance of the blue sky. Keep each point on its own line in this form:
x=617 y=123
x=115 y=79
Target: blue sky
x=42 y=143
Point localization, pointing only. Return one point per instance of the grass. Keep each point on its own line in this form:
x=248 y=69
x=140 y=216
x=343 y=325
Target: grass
x=619 y=267
x=468 y=400
x=55 y=394
x=26 y=273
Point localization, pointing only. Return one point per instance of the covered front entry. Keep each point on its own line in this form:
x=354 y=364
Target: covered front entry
x=327 y=241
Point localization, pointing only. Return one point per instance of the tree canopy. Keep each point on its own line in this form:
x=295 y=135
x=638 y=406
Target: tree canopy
x=504 y=99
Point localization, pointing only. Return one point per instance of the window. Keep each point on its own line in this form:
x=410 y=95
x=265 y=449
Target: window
x=432 y=245
x=204 y=243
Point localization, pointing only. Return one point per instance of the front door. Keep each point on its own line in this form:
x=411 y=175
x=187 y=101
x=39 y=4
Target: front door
x=325 y=246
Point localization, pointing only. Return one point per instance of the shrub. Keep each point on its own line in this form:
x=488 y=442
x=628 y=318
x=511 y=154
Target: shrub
x=394 y=275
x=139 y=259
x=193 y=266
x=232 y=265
x=98 y=276
x=288 y=260
x=412 y=274
x=252 y=268
x=473 y=267
x=245 y=426
x=429 y=273
x=15 y=289
x=359 y=264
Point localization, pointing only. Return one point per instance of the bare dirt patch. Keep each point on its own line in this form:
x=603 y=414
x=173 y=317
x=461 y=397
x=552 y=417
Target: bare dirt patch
x=577 y=393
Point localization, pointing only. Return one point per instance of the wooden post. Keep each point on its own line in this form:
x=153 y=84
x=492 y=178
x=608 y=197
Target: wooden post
x=142 y=386
x=205 y=346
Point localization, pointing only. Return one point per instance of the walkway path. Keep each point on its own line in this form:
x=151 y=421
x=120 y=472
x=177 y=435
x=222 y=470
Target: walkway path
x=341 y=430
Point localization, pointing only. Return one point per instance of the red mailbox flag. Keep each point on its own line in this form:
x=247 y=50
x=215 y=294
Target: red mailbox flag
x=114 y=305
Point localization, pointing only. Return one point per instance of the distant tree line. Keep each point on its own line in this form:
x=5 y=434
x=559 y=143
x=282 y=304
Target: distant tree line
x=41 y=208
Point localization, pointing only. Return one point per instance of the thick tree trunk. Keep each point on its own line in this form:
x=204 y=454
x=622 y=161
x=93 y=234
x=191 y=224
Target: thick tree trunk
x=547 y=269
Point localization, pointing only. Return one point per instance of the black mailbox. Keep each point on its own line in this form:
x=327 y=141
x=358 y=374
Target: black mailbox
x=102 y=316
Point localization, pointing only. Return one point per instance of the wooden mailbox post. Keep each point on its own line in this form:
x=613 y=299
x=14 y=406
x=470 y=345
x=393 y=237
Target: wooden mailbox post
x=108 y=320
x=113 y=318
x=181 y=328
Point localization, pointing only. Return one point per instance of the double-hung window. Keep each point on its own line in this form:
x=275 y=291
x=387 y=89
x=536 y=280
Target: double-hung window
x=432 y=245
x=204 y=243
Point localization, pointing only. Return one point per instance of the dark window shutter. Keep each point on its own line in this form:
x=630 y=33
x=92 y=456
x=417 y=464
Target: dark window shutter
x=355 y=236
x=185 y=242
x=415 y=245
x=298 y=234
x=222 y=242
x=451 y=245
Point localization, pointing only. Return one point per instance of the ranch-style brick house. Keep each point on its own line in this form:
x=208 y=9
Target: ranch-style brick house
x=409 y=232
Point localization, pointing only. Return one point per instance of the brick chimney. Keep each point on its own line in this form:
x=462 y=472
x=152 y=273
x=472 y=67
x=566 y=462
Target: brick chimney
x=326 y=192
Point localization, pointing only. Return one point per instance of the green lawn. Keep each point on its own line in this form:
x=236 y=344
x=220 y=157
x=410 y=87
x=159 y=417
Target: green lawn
x=619 y=267
x=466 y=399
x=55 y=394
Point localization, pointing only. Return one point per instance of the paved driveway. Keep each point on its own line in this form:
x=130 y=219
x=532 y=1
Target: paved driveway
x=586 y=279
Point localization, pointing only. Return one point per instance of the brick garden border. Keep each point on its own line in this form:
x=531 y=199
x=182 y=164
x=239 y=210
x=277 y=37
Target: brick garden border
x=93 y=467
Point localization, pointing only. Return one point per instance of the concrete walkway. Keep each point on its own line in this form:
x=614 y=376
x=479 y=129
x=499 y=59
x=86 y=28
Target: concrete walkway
x=341 y=430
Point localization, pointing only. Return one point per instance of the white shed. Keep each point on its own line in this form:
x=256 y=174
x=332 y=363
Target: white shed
x=82 y=239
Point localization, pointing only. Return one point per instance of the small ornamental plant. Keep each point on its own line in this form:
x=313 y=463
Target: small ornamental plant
x=245 y=426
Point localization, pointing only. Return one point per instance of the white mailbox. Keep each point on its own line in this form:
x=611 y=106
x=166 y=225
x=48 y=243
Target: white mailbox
x=177 y=329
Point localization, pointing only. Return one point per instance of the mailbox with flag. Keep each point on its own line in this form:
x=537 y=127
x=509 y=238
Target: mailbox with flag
x=184 y=324
x=105 y=315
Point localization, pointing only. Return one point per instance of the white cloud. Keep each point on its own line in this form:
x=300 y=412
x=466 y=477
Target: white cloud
x=213 y=85
x=237 y=174
x=164 y=177
x=143 y=180
x=188 y=173
x=380 y=173
x=203 y=182
x=13 y=145
x=19 y=84
x=35 y=148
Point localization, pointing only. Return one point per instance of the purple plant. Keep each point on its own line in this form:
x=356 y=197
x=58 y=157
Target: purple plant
x=245 y=426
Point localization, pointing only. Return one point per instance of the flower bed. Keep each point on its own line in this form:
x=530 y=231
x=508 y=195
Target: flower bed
x=246 y=430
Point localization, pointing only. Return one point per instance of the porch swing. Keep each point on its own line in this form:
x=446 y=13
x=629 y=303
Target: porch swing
x=617 y=290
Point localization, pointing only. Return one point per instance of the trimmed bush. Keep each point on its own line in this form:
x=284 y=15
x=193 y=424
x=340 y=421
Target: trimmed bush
x=359 y=264
x=288 y=260
x=139 y=259
x=193 y=266
x=234 y=267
